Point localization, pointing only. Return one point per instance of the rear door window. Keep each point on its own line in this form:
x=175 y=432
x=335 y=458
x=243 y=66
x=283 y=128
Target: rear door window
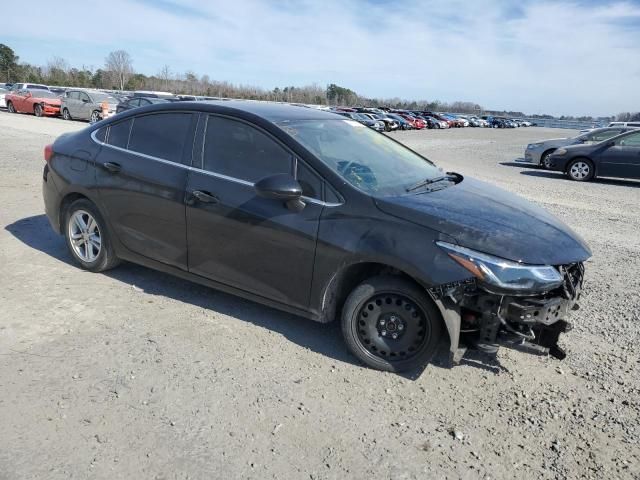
x=239 y=150
x=161 y=135
x=119 y=134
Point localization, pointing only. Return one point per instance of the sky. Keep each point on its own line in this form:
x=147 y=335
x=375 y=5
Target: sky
x=579 y=57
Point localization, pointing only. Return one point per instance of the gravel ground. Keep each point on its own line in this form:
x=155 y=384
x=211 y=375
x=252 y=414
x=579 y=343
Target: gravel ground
x=136 y=374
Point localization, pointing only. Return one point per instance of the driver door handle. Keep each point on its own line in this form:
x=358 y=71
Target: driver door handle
x=112 y=167
x=204 y=197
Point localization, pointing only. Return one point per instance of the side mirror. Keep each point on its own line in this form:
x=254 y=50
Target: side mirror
x=281 y=187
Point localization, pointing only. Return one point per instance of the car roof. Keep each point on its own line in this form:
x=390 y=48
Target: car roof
x=270 y=111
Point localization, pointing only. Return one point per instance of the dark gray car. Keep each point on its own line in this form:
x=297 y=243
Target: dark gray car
x=538 y=152
x=615 y=157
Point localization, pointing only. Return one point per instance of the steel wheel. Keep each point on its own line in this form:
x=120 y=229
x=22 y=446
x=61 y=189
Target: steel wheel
x=580 y=170
x=37 y=110
x=84 y=235
x=95 y=116
x=392 y=327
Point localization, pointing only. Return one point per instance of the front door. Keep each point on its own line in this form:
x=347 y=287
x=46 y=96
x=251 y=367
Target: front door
x=141 y=177
x=622 y=159
x=237 y=238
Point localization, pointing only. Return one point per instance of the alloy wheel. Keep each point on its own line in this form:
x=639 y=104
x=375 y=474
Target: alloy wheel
x=65 y=114
x=546 y=163
x=38 y=111
x=580 y=170
x=84 y=235
x=11 y=108
x=393 y=327
x=95 y=117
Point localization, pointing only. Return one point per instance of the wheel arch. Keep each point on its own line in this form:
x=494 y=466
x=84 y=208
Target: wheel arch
x=345 y=280
x=66 y=201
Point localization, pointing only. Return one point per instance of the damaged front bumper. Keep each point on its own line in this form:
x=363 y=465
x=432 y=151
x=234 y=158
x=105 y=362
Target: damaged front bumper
x=486 y=319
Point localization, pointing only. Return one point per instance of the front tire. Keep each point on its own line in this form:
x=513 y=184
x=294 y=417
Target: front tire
x=544 y=160
x=37 y=111
x=10 y=107
x=390 y=324
x=580 y=170
x=65 y=114
x=87 y=237
x=95 y=117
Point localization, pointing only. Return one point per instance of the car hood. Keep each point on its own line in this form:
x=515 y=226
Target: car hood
x=555 y=142
x=488 y=219
x=50 y=101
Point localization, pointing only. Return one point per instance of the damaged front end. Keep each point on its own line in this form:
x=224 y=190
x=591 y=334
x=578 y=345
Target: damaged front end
x=508 y=304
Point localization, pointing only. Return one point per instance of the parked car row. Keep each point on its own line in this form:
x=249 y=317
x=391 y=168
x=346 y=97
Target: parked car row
x=389 y=119
x=607 y=152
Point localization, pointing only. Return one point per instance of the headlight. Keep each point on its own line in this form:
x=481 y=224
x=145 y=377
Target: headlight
x=533 y=145
x=560 y=151
x=504 y=274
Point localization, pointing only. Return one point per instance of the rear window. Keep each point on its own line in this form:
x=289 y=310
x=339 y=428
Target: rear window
x=119 y=134
x=161 y=135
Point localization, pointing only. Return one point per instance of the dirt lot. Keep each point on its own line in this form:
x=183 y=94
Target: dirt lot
x=135 y=374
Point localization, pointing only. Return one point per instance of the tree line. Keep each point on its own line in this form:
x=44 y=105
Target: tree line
x=118 y=73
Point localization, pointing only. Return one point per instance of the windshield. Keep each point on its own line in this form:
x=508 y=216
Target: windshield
x=368 y=160
x=101 y=97
x=43 y=94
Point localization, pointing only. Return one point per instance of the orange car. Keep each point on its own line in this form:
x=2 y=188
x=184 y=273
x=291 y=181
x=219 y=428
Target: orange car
x=38 y=102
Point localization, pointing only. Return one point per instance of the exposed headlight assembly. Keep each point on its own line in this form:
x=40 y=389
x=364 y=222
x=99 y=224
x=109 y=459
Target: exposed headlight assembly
x=533 y=145
x=560 y=151
x=502 y=274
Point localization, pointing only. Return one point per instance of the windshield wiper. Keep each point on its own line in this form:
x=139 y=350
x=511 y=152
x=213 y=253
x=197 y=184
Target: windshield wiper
x=454 y=177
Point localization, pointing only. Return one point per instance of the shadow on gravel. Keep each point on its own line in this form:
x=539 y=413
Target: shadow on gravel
x=517 y=163
x=561 y=176
x=324 y=339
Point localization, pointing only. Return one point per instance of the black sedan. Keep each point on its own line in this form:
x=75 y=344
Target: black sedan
x=616 y=157
x=136 y=102
x=317 y=215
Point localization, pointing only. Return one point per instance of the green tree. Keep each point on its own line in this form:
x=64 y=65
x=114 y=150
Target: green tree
x=8 y=63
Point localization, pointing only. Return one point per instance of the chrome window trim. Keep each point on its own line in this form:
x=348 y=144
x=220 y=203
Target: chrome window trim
x=200 y=170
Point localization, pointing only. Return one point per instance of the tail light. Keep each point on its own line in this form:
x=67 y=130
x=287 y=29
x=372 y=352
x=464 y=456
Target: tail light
x=48 y=152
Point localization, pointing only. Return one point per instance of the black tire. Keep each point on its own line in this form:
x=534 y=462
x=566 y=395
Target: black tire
x=106 y=257
x=580 y=170
x=65 y=114
x=544 y=159
x=402 y=304
x=95 y=117
x=10 y=107
x=37 y=110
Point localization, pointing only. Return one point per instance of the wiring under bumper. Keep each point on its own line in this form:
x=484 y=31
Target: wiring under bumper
x=530 y=323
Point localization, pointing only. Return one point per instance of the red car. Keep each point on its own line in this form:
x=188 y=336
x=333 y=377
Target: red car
x=37 y=102
x=417 y=123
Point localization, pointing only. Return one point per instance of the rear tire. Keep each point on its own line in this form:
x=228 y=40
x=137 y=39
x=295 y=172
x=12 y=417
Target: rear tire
x=580 y=170
x=87 y=237
x=391 y=324
x=10 y=107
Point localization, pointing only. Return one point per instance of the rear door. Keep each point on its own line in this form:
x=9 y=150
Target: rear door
x=622 y=159
x=141 y=176
x=242 y=240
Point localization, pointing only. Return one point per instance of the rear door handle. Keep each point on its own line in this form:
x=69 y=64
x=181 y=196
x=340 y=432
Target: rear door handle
x=204 y=197
x=112 y=167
